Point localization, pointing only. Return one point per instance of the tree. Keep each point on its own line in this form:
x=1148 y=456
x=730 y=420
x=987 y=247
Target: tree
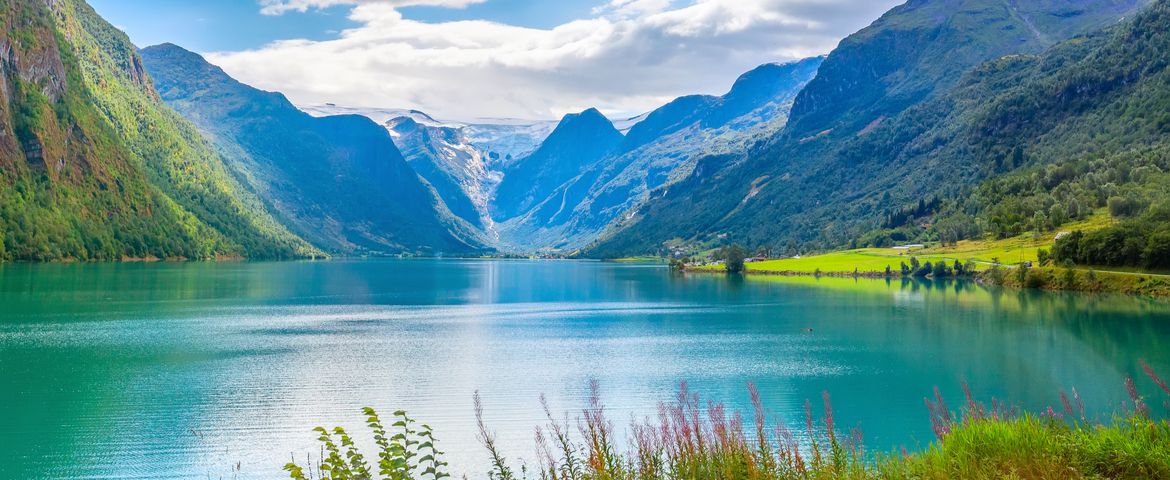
x=1068 y=248
x=1129 y=205
x=1157 y=253
x=925 y=270
x=1018 y=158
x=733 y=257
x=1022 y=273
x=1070 y=278
x=940 y=270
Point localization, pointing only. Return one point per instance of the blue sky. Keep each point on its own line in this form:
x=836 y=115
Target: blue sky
x=213 y=25
x=226 y=25
x=469 y=59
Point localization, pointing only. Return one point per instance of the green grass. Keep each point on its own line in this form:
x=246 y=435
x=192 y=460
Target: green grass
x=1040 y=447
x=1087 y=280
x=1010 y=251
x=695 y=439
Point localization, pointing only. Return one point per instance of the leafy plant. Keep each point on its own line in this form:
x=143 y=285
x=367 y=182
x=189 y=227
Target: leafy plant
x=406 y=452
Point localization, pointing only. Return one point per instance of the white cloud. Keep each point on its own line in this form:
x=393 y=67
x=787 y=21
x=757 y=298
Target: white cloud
x=633 y=7
x=634 y=55
x=279 y=7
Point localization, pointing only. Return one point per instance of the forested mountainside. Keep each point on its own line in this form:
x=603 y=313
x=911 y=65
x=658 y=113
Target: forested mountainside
x=891 y=118
x=338 y=181
x=94 y=166
x=568 y=211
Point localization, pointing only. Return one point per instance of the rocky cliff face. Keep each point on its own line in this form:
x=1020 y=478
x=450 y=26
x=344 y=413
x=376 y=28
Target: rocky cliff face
x=446 y=158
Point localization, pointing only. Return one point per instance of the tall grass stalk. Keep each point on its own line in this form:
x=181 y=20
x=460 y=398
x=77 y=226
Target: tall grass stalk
x=692 y=439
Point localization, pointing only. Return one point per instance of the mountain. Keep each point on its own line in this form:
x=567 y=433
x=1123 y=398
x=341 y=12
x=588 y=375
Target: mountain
x=657 y=150
x=338 y=181
x=506 y=140
x=444 y=156
x=577 y=142
x=921 y=46
x=841 y=165
x=1034 y=142
x=501 y=140
x=93 y=165
x=530 y=186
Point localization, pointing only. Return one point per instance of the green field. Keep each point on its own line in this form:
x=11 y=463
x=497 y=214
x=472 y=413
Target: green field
x=1010 y=251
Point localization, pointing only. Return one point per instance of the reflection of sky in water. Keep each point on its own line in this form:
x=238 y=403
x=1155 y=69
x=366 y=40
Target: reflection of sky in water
x=185 y=371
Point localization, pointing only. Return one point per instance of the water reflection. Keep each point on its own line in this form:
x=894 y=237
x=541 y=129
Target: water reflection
x=186 y=370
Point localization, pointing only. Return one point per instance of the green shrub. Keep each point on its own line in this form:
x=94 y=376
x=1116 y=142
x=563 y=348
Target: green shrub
x=406 y=453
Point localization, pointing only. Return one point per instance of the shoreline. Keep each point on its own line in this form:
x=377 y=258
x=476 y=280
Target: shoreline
x=1048 y=279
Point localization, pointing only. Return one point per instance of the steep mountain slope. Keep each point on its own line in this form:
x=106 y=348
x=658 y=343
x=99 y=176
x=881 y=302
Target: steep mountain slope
x=95 y=166
x=578 y=141
x=660 y=149
x=924 y=45
x=1056 y=136
x=445 y=157
x=812 y=185
x=338 y=181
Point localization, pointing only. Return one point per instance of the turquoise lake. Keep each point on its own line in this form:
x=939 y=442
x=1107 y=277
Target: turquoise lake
x=205 y=370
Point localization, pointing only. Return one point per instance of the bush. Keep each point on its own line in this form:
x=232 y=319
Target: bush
x=925 y=270
x=1035 y=279
x=941 y=270
x=1043 y=257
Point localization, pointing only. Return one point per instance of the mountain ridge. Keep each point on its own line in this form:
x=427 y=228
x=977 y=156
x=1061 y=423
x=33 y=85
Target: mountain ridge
x=339 y=181
x=809 y=187
x=579 y=140
x=657 y=151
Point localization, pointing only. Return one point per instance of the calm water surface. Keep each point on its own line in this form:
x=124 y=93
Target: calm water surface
x=220 y=370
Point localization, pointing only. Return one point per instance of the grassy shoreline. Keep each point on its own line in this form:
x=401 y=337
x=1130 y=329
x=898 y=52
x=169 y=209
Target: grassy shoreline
x=1040 y=278
x=1003 y=262
x=696 y=439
